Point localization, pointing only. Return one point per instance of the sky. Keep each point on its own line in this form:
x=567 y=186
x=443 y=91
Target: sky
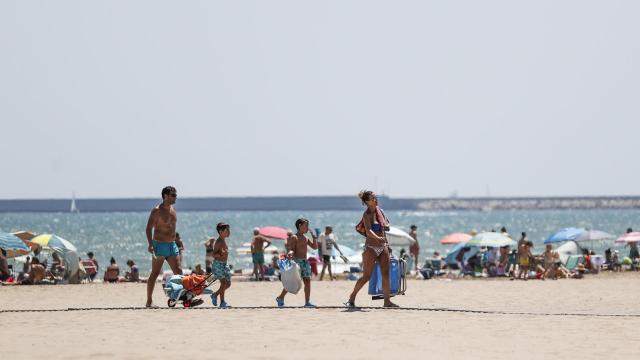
x=273 y=98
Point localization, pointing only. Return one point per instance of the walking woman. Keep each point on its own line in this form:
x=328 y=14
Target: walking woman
x=376 y=248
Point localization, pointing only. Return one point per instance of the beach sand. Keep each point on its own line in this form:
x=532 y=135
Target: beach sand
x=524 y=320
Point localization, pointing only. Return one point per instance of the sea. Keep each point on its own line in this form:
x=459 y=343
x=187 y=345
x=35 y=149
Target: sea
x=122 y=234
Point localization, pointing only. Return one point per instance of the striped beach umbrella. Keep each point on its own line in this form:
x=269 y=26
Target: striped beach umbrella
x=65 y=248
x=13 y=245
x=53 y=242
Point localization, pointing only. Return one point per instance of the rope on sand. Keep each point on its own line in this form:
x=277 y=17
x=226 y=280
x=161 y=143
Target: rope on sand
x=356 y=309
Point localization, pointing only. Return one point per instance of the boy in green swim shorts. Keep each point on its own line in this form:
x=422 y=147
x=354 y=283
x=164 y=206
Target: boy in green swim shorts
x=297 y=250
x=220 y=268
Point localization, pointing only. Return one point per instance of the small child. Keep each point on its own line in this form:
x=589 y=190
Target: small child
x=525 y=259
x=221 y=269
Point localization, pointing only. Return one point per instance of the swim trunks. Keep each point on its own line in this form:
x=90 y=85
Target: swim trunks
x=221 y=270
x=305 y=268
x=258 y=258
x=165 y=249
x=524 y=261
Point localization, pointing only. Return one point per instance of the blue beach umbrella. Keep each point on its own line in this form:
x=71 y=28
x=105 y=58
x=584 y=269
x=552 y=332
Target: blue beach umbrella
x=566 y=234
x=13 y=245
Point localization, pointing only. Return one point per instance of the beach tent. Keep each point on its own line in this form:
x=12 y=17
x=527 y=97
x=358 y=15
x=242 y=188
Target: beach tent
x=565 y=234
x=64 y=248
x=491 y=239
x=570 y=248
x=13 y=245
x=397 y=237
x=451 y=256
x=455 y=238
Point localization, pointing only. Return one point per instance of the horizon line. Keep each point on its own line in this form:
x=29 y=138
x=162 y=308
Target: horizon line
x=498 y=197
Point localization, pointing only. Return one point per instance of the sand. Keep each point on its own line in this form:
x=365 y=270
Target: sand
x=524 y=320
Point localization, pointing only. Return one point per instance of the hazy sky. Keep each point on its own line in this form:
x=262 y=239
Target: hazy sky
x=416 y=98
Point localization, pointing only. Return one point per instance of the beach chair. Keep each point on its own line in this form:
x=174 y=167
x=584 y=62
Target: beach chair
x=573 y=261
x=397 y=280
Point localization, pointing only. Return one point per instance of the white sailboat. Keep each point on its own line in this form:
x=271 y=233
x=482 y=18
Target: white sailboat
x=74 y=208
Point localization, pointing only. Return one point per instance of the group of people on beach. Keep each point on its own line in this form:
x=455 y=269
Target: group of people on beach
x=161 y=237
x=522 y=263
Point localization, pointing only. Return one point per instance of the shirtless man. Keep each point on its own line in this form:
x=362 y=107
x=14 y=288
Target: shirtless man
x=220 y=267
x=414 y=249
x=161 y=236
x=5 y=274
x=297 y=250
x=257 y=253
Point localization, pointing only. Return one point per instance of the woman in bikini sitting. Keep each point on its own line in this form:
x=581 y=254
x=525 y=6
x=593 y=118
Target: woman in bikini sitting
x=376 y=247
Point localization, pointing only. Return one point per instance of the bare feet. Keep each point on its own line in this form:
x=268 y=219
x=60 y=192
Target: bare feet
x=390 y=305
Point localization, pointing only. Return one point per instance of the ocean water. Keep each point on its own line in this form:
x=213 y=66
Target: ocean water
x=122 y=235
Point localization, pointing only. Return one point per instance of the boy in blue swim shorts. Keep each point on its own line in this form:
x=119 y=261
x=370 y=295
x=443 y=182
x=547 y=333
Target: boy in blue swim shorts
x=221 y=269
x=297 y=250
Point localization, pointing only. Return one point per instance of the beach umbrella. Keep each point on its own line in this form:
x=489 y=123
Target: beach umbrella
x=565 y=234
x=629 y=238
x=491 y=239
x=53 y=242
x=68 y=251
x=24 y=235
x=397 y=237
x=274 y=232
x=13 y=245
x=594 y=235
x=455 y=238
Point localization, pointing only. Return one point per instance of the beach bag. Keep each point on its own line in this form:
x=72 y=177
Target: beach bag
x=290 y=276
x=194 y=283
